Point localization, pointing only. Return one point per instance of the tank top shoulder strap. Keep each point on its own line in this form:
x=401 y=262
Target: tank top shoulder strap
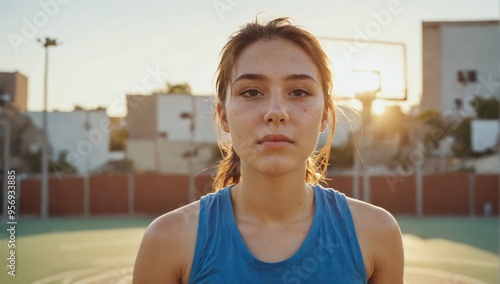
x=210 y=221
x=337 y=210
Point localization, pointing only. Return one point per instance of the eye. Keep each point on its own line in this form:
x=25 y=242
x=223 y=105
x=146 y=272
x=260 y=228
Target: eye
x=300 y=93
x=251 y=93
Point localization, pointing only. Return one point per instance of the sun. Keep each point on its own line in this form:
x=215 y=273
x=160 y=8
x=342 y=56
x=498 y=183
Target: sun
x=378 y=107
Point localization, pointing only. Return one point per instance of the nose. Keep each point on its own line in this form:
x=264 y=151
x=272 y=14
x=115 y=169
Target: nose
x=277 y=110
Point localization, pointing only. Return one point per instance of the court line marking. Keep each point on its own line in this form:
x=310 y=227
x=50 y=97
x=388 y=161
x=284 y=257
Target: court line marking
x=71 y=273
x=114 y=261
x=125 y=280
x=97 y=244
x=105 y=275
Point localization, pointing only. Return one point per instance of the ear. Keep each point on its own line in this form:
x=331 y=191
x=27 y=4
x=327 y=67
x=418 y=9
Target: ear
x=324 y=120
x=221 y=112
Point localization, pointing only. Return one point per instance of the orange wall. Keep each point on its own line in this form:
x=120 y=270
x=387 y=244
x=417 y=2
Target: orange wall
x=395 y=197
x=446 y=194
x=30 y=197
x=66 y=196
x=108 y=194
x=487 y=189
x=156 y=194
x=342 y=184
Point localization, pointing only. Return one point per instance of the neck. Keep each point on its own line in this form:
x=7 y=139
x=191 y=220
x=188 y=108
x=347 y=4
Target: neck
x=267 y=199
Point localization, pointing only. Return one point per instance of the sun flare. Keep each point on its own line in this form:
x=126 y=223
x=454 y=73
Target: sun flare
x=378 y=107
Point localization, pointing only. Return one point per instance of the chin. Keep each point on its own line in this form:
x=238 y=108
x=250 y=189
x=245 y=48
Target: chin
x=277 y=167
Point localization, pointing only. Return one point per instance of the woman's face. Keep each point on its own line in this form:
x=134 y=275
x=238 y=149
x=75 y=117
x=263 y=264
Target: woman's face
x=275 y=107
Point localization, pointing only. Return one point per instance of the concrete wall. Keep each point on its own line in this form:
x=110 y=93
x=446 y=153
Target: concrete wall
x=171 y=106
x=143 y=153
x=87 y=147
x=141 y=117
x=458 y=194
x=167 y=156
x=449 y=47
x=159 y=137
x=468 y=47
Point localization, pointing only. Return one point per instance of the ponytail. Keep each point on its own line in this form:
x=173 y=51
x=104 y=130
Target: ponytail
x=228 y=171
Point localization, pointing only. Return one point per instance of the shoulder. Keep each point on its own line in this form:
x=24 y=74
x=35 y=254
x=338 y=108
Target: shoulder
x=376 y=219
x=379 y=237
x=175 y=225
x=178 y=221
x=167 y=248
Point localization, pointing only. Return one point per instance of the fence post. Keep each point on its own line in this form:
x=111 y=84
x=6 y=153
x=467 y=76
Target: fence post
x=419 y=190
x=86 y=196
x=131 y=190
x=19 y=179
x=472 y=195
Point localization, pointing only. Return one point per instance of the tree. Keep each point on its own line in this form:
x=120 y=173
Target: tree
x=486 y=108
x=438 y=128
x=118 y=139
x=62 y=166
x=183 y=88
x=118 y=134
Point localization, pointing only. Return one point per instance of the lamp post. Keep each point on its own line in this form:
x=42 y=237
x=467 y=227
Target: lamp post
x=45 y=155
x=368 y=84
x=5 y=98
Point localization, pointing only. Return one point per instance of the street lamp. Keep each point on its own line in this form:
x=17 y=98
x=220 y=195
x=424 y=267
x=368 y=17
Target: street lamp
x=45 y=155
x=367 y=86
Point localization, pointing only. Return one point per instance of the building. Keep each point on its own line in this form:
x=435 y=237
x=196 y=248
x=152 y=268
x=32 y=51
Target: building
x=82 y=135
x=16 y=85
x=460 y=60
x=160 y=137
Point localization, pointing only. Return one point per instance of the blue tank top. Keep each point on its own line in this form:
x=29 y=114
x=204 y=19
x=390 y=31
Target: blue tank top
x=329 y=254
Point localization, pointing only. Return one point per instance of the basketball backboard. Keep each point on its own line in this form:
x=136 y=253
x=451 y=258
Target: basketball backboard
x=387 y=59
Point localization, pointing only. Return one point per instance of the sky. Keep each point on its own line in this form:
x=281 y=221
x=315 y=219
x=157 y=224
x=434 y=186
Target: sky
x=114 y=47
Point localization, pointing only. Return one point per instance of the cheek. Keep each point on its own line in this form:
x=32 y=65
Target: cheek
x=309 y=116
x=237 y=121
x=239 y=117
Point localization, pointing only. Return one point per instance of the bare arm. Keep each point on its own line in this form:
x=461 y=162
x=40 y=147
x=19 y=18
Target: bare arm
x=381 y=243
x=167 y=248
x=389 y=255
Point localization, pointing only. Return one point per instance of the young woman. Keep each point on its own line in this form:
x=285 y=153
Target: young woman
x=271 y=222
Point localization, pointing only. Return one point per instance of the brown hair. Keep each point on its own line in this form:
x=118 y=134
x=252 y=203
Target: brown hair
x=228 y=170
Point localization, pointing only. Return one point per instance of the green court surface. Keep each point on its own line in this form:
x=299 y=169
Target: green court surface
x=102 y=250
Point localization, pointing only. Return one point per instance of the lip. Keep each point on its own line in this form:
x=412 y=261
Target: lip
x=275 y=141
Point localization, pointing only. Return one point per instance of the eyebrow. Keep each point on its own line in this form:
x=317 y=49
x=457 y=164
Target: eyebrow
x=260 y=77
